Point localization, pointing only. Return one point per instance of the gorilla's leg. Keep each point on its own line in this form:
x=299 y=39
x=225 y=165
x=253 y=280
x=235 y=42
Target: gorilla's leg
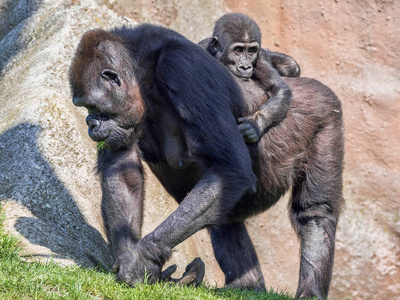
x=316 y=229
x=315 y=208
x=236 y=256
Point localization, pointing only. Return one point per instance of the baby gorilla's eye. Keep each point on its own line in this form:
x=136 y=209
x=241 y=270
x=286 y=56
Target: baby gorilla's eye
x=252 y=50
x=238 y=50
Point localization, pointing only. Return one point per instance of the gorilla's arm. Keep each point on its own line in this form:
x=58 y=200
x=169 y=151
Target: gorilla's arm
x=122 y=202
x=271 y=112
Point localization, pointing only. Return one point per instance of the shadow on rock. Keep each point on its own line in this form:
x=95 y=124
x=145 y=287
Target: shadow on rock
x=26 y=177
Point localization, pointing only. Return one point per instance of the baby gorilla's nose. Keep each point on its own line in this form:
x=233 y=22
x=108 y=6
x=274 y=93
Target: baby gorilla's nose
x=245 y=68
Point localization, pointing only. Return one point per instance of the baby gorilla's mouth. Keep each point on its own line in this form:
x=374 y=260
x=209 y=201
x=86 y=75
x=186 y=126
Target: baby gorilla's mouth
x=244 y=74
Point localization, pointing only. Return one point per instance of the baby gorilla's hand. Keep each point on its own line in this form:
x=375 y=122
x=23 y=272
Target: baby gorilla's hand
x=249 y=129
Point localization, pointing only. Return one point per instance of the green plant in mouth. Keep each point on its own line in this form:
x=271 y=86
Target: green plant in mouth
x=100 y=145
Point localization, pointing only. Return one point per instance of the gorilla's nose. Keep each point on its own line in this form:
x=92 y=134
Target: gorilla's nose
x=245 y=68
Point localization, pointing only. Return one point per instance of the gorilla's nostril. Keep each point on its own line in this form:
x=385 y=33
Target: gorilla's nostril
x=245 y=67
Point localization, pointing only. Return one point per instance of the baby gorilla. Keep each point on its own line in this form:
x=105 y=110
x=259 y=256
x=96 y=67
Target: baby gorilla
x=236 y=43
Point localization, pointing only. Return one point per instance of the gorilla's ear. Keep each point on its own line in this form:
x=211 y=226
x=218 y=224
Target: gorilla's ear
x=111 y=76
x=214 y=45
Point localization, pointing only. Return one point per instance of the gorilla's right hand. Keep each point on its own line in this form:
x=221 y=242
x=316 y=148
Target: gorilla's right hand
x=136 y=266
x=249 y=130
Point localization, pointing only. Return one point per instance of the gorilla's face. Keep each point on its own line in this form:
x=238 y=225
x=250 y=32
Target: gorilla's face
x=107 y=88
x=239 y=57
x=242 y=57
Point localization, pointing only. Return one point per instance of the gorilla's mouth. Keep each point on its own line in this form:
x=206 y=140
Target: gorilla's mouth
x=244 y=74
x=98 y=135
x=245 y=78
x=108 y=134
x=97 y=129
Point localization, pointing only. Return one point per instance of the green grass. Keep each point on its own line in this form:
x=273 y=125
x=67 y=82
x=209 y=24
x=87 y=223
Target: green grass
x=33 y=280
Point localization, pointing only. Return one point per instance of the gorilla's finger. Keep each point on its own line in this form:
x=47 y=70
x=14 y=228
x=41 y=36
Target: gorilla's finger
x=166 y=274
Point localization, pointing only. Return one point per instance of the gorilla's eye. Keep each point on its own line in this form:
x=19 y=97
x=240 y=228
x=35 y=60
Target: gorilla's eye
x=252 y=50
x=238 y=50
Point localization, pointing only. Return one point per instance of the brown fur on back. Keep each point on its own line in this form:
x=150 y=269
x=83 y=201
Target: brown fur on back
x=281 y=155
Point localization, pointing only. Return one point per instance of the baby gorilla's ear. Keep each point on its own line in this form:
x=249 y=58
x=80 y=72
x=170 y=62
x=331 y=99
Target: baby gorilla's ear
x=214 y=45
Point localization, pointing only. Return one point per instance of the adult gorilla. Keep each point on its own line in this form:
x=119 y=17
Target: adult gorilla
x=135 y=81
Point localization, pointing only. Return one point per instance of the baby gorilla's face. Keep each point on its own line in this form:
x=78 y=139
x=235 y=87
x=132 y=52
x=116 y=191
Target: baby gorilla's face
x=242 y=57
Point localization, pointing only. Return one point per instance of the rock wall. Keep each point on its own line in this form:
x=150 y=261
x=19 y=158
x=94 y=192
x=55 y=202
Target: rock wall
x=47 y=182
